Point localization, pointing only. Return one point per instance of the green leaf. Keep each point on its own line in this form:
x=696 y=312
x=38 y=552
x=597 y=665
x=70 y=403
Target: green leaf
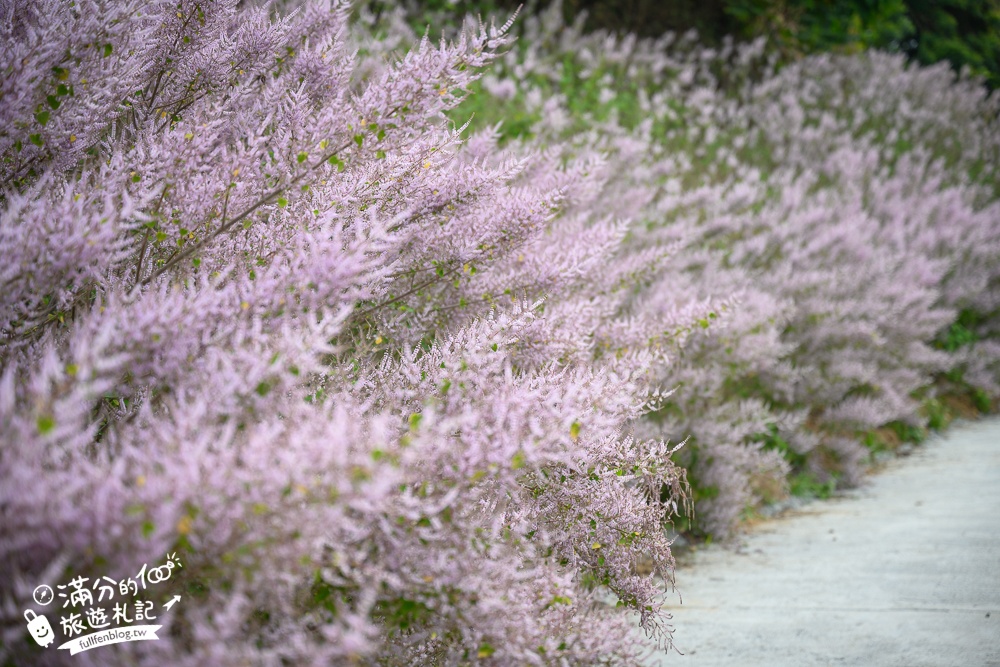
x=147 y=528
x=61 y=89
x=574 y=431
x=518 y=461
x=42 y=117
x=359 y=139
x=107 y=50
x=263 y=388
x=485 y=651
x=282 y=202
x=302 y=157
x=53 y=101
x=45 y=424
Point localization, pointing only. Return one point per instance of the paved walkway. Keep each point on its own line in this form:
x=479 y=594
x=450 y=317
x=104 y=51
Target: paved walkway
x=903 y=572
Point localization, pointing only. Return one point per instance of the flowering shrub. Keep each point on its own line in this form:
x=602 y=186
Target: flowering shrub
x=841 y=210
x=399 y=390
x=263 y=308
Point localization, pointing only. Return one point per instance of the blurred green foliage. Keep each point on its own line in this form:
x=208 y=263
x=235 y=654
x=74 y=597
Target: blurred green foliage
x=817 y=25
x=961 y=333
x=963 y=32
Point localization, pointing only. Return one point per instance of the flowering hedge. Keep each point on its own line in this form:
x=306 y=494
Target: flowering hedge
x=841 y=210
x=400 y=391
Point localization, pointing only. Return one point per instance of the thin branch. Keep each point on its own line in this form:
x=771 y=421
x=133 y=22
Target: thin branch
x=407 y=293
x=226 y=226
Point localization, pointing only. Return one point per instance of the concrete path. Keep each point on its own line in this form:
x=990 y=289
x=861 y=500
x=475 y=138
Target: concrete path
x=903 y=572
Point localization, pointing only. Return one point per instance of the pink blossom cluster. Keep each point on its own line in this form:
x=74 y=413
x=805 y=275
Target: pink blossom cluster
x=265 y=308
